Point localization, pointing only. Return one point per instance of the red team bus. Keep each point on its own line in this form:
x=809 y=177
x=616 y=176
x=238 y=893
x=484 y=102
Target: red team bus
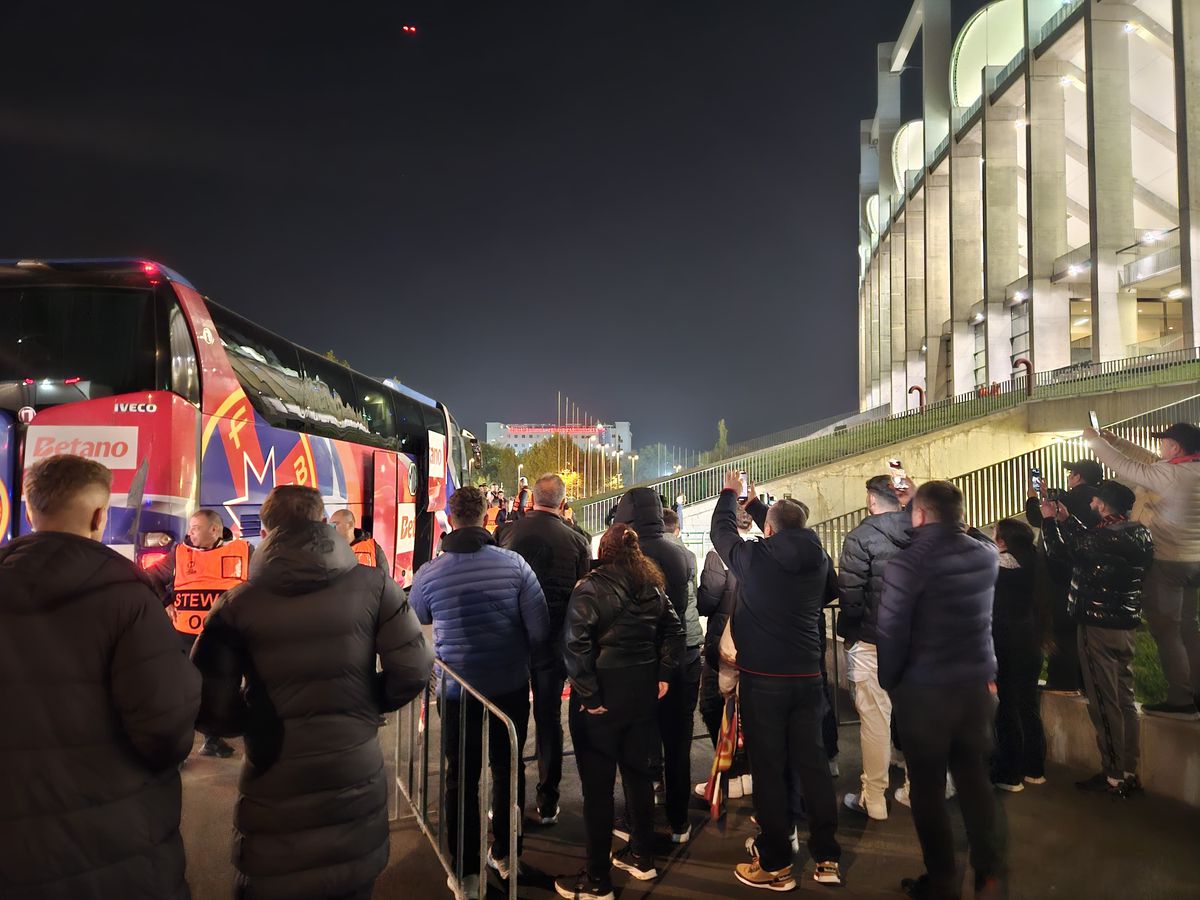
x=191 y=405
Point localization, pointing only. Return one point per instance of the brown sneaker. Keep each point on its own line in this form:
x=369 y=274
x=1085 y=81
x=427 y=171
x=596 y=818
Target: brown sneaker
x=756 y=876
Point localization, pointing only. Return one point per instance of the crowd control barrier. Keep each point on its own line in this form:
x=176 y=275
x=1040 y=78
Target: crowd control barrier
x=421 y=766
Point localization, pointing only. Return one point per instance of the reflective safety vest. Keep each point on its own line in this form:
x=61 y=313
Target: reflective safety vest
x=365 y=551
x=491 y=518
x=201 y=576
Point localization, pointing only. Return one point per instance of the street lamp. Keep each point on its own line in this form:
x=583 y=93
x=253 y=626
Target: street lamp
x=633 y=460
x=520 y=466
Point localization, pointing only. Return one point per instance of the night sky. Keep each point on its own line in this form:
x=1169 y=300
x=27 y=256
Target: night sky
x=647 y=205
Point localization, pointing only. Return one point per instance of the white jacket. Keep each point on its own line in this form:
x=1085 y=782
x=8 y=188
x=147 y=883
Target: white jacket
x=1168 y=496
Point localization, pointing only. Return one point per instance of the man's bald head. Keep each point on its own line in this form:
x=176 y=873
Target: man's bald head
x=69 y=494
x=343 y=522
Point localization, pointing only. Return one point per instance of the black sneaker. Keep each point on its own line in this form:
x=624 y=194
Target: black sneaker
x=641 y=869
x=1185 y=711
x=1132 y=785
x=548 y=816
x=915 y=887
x=580 y=887
x=214 y=746
x=1099 y=784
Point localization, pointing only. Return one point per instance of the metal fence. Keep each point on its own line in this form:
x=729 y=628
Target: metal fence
x=999 y=491
x=421 y=778
x=776 y=462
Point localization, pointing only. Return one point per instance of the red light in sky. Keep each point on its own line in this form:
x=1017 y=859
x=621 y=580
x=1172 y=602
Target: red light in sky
x=409 y=29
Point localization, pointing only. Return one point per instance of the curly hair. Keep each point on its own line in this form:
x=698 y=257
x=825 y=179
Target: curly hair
x=620 y=547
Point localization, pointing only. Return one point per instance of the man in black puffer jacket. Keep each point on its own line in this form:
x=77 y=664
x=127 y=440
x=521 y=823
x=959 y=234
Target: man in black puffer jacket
x=559 y=556
x=98 y=706
x=641 y=508
x=786 y=582
x=304 y=632
x=936 y=660
x=1108 y=567
x=865 y=555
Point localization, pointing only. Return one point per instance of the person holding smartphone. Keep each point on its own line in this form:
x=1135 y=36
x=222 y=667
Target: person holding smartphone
x=1062 y=664
x=1168 y=503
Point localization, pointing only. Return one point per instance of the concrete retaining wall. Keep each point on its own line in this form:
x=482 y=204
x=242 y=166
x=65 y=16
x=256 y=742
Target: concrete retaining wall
x=1170 y=748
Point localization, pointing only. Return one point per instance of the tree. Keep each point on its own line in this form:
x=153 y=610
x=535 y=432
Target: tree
x=555 y=454
x=500 y=466
x=654 y=461
x=329 y=354
x=721 y=448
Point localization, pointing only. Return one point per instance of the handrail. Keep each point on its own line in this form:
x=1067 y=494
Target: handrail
x=413 y=771
x=765 y=465
x=998 y=491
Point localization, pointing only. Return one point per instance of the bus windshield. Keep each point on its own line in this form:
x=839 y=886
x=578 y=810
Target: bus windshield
x=64 y=344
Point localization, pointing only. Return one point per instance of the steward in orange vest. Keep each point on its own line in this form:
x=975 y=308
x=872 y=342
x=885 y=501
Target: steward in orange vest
x=200 y=569
x=491 y=518
x=365 y=547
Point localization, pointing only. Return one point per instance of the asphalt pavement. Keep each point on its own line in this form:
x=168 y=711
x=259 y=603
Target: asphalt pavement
x=1062 y=843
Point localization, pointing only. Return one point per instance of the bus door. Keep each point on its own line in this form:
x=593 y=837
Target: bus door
x=383 y=505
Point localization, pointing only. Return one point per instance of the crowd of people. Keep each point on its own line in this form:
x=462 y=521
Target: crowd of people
x=300 y=647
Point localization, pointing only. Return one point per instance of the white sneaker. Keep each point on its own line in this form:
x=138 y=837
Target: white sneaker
x=681 y=837
x=1029 y=779
x=501 y=865
x=735 y=791
x=833 y=769
x=901 y=795
x=470 y=887
x=747 y=785
x=1011 y=788
x=701 y=789
x=856 y=803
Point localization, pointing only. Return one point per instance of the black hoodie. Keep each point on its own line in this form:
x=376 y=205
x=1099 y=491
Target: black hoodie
x=641 y=508
x=98 y=706
x=786 y=581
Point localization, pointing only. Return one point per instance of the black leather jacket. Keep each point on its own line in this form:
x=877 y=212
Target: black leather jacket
x=609 y=627
x=1108 y=566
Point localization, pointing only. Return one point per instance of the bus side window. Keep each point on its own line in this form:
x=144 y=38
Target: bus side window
x=185 y=373
x=266 y=366
x=410 y=424
x=376 y=404
x=333 y=407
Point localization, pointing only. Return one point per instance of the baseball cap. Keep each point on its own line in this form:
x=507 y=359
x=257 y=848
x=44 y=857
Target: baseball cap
x=1115 y=496
x=1087 y=469
x=1184 y=434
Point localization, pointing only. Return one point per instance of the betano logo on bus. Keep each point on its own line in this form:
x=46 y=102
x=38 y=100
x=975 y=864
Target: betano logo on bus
x=114 y=446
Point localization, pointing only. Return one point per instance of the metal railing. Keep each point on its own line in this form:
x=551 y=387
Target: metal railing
x=1056 y=21
x=999 y=491
x=997 y=79
x=766 y=465
x=942 y=147
x=963 y=116
x=1157 y=253
x=414 y=774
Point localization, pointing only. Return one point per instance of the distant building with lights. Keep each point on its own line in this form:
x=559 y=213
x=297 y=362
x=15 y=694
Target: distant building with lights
x=617 y=436
x=1042 y=201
